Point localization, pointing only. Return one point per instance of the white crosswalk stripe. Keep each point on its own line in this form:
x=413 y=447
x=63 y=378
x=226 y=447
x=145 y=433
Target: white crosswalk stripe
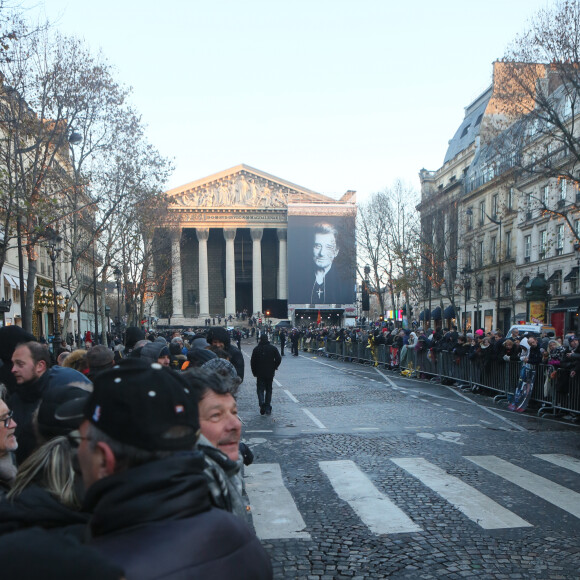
x=274 y=512
x=276 y=515
x=376 y=510
x=475 y=505
x=554 y=493
x=561 y=460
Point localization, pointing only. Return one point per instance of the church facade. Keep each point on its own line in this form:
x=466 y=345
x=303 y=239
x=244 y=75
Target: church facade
x=228 y=242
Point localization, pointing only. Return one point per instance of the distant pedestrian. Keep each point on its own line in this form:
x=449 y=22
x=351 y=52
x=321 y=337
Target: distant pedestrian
x=282 y=342
x=264 y=363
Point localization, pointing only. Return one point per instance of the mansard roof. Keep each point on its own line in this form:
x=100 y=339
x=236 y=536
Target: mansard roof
x=470 y=127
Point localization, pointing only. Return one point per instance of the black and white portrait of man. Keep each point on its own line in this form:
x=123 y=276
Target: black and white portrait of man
x=319 y=269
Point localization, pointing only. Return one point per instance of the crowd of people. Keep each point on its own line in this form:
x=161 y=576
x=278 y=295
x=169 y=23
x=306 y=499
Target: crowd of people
x=128 y=457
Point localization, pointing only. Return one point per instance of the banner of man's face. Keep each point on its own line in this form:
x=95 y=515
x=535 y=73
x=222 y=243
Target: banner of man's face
x=321 y=260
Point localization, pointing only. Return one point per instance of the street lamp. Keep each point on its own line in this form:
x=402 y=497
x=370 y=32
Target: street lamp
x=469 y=212
x=466 y=287
x=117 y=273
x=54 y=249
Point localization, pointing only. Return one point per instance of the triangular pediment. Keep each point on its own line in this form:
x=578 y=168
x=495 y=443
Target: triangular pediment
x=242 y=186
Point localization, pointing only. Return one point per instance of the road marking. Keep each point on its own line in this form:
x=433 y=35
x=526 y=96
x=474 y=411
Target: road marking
x=318 y=423
x=291 y=396
x=553 y=493
x=376 y=510
x=561 y=460
x=274 y=512
x=475 y=505
x=278 y=383
x=259 y=431
x=366 y=429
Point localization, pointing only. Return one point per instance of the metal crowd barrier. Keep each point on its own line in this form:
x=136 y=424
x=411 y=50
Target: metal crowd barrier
x=554 y=390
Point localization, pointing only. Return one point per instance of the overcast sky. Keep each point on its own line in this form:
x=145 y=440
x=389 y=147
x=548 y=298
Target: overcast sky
x=329 y=94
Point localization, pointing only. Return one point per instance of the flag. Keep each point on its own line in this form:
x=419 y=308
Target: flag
x=319 y=319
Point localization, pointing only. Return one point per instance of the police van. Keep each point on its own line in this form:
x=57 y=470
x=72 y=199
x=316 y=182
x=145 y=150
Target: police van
x=533 y=329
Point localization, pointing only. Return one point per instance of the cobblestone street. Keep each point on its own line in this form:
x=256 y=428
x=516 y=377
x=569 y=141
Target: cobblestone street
x=375 y=476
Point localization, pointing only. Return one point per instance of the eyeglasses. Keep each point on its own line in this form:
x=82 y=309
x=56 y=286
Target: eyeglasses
x=7 y=419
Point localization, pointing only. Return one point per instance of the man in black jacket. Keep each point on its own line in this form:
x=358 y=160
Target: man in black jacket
x=145 y=484
x=264 y=362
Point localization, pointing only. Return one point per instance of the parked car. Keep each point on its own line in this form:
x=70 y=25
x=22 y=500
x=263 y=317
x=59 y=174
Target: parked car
x=283 y=324
x=533 y=329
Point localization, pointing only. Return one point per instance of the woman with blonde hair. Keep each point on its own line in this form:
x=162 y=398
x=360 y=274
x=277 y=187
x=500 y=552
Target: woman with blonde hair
x=44 y=493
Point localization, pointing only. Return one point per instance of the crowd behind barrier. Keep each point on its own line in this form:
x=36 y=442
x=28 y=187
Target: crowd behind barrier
x=556 y=391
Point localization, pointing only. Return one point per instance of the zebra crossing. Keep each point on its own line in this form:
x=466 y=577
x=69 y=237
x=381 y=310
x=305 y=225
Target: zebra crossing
x=276 y=515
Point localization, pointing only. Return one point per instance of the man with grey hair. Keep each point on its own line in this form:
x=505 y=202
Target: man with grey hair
x=145 y=484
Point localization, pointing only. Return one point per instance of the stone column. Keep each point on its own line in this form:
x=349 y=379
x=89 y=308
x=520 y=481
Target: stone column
x=202 y=236
x=282 y=264
x=230 y=236
x=177 y=285
x=256 y=234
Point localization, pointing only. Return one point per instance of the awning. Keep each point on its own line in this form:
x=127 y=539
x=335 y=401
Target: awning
x=554 y=275
x=567 y=305
x=572 y=274
x=436 y=314
x=523 y=282
x=449 y=313
x=424 y=315
x=10 y=281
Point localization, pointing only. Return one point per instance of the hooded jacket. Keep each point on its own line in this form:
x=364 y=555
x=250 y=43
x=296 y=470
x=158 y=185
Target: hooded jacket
x=156 y=521
x=265 y=359
x=236 y=356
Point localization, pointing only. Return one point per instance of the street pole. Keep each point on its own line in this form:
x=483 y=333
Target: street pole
x=95 y=301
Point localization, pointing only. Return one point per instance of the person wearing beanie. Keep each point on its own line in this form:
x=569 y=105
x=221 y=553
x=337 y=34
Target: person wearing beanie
x=99 y=358
x=145 y=483
x=220 y=337
x=133 y=334
x=156 y=352
x=264 y=363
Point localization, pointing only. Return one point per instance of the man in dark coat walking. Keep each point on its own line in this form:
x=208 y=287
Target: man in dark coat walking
x=264 y=362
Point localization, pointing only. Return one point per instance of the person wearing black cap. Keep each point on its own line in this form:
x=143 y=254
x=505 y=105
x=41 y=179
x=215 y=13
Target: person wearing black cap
x=220 y=337
x=145 y=485
x=264 y=363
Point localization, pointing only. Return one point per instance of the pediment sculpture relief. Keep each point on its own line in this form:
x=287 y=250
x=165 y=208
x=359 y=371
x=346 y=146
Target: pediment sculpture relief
x=238 y=191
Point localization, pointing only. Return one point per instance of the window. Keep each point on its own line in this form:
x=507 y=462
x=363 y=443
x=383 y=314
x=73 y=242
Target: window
x=510 y=198
x=468 y=258
x=492 y=288
x=506 y=287
x=527 y=248
x=493 y=250
x=557 y=284
x=468 y=293
x=574 y=284
x=481 y=212
x=479 y=290
x=560 y=240
x=543 y=243
x=494 y=206
x=546 y=195
x=470 y=219
x=577 y=227
x=480 y=254
x=563 y=189
x=508 y=245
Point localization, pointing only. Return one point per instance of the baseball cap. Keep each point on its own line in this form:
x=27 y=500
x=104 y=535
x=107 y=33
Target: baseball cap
x=141 y=404
x=60 y=410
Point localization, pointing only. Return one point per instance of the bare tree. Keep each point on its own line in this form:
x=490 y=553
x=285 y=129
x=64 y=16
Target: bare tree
x=387 y=243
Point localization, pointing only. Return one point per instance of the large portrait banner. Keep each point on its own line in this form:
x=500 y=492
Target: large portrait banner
x=321 y=259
